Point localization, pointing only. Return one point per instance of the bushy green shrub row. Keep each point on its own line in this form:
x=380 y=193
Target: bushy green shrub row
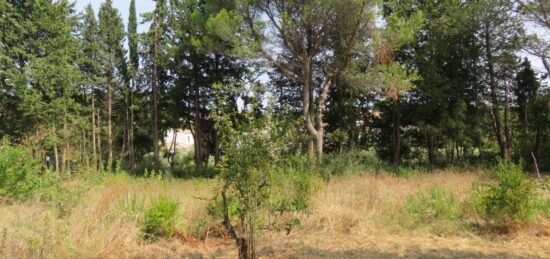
x=21 y=175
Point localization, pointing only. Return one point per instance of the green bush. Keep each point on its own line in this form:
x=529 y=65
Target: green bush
x=160 y=218
x=199 y=228
x=290 y=190
x=436 y=205
x=512 y=201
x=215 y=207
x=19 y=177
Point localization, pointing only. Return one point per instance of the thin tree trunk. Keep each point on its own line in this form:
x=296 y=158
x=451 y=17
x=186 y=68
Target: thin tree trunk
x=546 y=64
x=198 y=128
x=217 y=155
x=86 y=148
x=319 y=114
x=172 y=149
x=240 y=240
x=494 y=94
x=64 y=151
x=109 y=116
x=396 y=133
x=538 y=138
x=56 y=154
x=131 y=135
x=100 y=151
x=431 y=157
x=507 y=130
x=480 y=144
x=307 y=102
x=94 y=151
x=154 y=92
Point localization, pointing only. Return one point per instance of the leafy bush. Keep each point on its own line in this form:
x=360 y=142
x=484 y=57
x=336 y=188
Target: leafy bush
x=290 y=189
x=19 y=177
x=215 y=207
x=512 y=201
x=199 y=228
x=160 y=218
x=436 y=205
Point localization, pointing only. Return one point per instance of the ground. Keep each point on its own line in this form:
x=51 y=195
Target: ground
x=350 y=217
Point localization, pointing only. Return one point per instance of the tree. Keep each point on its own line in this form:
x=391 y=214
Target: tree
x=201 y=62
x=134 y=69
x=91 y=67
x=500 y=35
x=314 y=43
x=525 y=90
x=111 y=35
x=538 y=12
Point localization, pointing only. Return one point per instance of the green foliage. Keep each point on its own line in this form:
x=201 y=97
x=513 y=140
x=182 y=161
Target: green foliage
x=291 y=190
x=434 y=206
x=510 y=202
x=160 y=218
x=215 y=207
x=20 y=174
x=199 y=228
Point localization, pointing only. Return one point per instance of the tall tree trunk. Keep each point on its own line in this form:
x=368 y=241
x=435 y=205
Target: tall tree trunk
x=538 y=139
x=85 y=154
x=524 y=122
x=507 y=130
x=94 y=151
x=131 y=135
x=307 y=102
x=396 y=133
x=154 y=92
x=65 y=147
x=431 y=157
x=56 y=153
x=109 y=116
x=494 y=94
x=546 y=65
x=198 y=129
x=217 y=155
x=100 y=151
x=124 y=156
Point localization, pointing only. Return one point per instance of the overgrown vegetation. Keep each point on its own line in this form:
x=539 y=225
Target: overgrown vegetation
x=159 y=219
x=432 y=206
x=511 y=202
x=278 y=102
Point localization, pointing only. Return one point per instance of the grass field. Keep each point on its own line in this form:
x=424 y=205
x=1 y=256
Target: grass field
x=372 y=215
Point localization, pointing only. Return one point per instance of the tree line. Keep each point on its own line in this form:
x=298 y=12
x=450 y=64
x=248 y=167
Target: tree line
x=427 y=82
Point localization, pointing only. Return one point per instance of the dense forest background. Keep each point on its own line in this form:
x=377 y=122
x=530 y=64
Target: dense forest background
x=418 y=83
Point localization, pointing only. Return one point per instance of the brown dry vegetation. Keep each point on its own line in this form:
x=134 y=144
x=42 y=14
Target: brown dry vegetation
x=350 y=217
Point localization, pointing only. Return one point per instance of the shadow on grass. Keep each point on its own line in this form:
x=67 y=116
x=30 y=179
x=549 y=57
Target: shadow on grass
x=413 y=252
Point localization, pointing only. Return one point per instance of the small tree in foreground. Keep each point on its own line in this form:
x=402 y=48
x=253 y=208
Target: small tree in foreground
x=509 y=203
x=245 y=170
x=251 y=146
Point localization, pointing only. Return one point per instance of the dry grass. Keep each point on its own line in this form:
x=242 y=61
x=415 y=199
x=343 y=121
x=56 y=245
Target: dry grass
x=351 y=217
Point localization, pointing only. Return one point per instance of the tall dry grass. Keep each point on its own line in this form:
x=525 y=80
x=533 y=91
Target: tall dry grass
x=362 y=203
x=349 y=216
x=104 y=223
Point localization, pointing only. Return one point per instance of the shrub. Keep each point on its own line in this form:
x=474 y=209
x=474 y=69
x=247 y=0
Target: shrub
x=199 y=228
x=512 y=201
x=18 y=172
x=160 y=218
x=215 y=207
x=436 y=205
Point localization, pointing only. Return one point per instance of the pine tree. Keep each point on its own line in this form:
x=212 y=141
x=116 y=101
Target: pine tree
x=500 y=35
x=134 y=69
x=111 y=35
x=91 y=67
